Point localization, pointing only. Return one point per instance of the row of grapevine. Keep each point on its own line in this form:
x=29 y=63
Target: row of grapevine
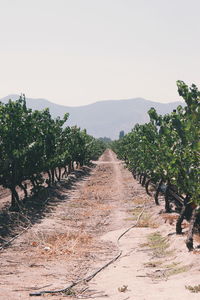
x=167 y=151
x=32 y=144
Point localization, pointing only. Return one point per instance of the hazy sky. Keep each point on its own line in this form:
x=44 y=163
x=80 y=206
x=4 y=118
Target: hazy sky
x=76 y=52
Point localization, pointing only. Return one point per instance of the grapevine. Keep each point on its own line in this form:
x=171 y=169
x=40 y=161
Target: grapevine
x=32 y=144
x=166 y=151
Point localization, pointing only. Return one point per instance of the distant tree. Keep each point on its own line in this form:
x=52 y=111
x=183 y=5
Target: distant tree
x=105 y=139
x=121 y=134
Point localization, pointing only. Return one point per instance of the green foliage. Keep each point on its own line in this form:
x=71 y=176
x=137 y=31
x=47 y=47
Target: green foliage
x=107 y=142
x=32 y=143
x=168 y=147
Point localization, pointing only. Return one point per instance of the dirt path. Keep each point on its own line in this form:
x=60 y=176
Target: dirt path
x=80 y=235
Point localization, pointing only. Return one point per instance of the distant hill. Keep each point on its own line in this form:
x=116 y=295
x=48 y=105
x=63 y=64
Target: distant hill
x=103 y=118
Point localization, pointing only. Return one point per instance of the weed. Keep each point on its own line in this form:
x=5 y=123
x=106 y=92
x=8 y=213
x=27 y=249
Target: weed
x=172 y=265
x=193 y=289
x=153 y=264
x=147 y=221
x=165 y=273
x=135 y=211
x=158 y=244
x=177 y=270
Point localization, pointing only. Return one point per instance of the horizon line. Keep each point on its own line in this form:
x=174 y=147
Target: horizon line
x=98 y=101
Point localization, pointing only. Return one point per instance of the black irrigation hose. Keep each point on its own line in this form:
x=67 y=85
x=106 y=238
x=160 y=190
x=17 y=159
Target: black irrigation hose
x=90 y=277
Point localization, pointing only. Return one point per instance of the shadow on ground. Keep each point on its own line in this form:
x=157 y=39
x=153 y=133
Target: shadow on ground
x=34 y=209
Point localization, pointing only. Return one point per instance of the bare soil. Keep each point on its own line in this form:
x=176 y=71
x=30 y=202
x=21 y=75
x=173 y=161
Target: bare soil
x=77 y=234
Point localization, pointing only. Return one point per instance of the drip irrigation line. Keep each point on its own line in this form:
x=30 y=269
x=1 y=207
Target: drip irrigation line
x=90 y=277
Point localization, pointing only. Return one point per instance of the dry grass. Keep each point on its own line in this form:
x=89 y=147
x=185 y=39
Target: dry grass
x=55 y=244
x=139 y=200
x=174 y=269
x=172 y=219
x=159 y=248
x=193 y=289
x=135 y=212
x=146 y=220
x=158 y=244
x=169 y=218
x=165 y=273
x=197 y=238
x=153 y=264
x=76 y=240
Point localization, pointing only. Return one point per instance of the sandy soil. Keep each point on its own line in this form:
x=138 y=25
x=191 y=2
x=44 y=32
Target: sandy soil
x=79 y=234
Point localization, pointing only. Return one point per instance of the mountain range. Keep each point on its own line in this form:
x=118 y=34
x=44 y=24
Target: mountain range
x=103 y=118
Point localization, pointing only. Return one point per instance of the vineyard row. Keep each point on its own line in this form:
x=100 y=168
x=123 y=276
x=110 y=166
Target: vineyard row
x=166 y=152
x=33 y=144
